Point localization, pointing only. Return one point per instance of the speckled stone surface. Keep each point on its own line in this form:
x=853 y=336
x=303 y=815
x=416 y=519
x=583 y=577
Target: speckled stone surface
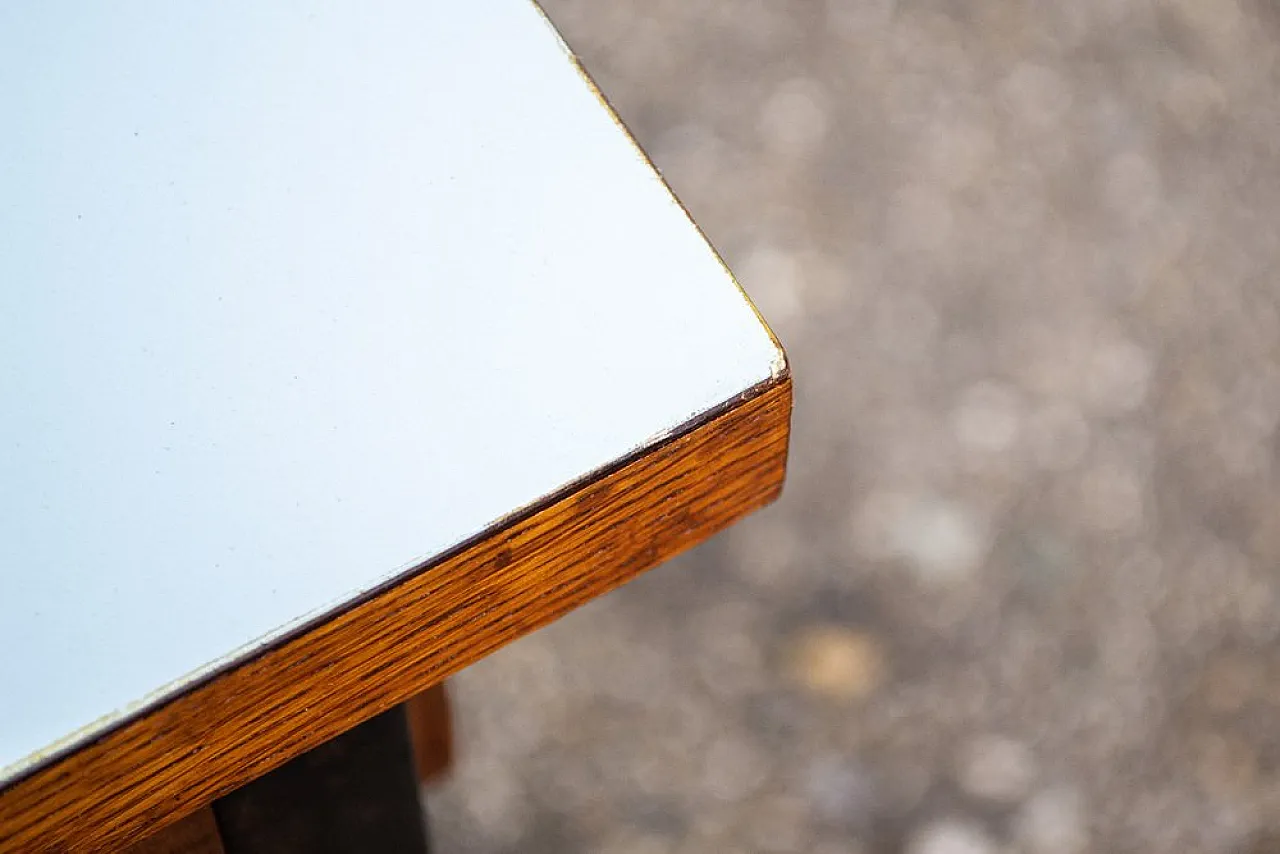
x=1022 y=594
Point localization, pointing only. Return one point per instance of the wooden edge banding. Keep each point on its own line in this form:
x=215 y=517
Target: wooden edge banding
x=241 y=724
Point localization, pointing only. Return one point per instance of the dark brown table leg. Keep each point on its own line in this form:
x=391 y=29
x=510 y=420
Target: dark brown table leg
x=194 y=834
x=431 y=728
x=351 y=794
x=356 y=793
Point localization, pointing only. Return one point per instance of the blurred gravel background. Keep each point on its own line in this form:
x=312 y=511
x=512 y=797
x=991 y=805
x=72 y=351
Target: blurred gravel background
x=1021 y=595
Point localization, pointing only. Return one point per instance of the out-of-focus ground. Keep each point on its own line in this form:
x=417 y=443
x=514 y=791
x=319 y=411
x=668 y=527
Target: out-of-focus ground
x=1022 y=593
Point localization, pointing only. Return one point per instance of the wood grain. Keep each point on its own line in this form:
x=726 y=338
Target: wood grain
x=195 y=833
x=521 y=575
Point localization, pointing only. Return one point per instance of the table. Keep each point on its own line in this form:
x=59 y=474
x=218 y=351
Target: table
x=339 y=345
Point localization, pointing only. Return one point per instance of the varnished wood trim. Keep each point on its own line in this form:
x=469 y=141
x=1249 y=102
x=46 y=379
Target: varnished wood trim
x=195 y=833
x=238 y=726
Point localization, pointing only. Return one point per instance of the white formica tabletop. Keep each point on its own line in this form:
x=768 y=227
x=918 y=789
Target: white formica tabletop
x=293 y=297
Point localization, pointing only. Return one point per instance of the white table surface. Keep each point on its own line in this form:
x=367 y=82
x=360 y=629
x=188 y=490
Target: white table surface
x=294 y=296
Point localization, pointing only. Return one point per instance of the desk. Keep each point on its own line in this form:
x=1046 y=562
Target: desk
x=339 y=345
